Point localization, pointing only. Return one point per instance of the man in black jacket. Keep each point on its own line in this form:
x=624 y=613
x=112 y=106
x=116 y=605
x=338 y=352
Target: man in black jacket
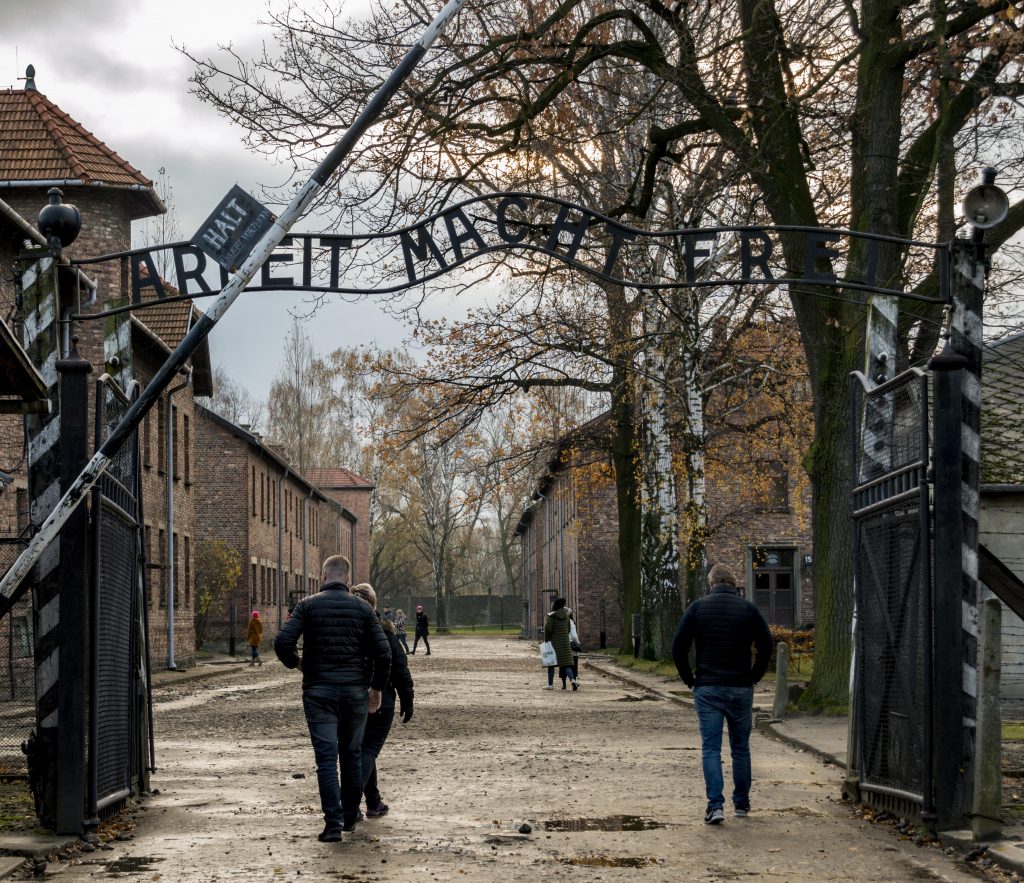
x=345 y=665
x=724 y=626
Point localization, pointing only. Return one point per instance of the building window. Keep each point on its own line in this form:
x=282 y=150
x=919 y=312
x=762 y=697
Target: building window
x=163 y=567
x=771 y=491
x=186 y=439
x=147 y=441
x=273 y=503
x=253 y=483
x=263 y=584
x=174 y=552
x=263 y=496
x=176 y=453
x=187 y=550
x=252 y=591
x=287 y=503
x=161 y=436
x=148 y=552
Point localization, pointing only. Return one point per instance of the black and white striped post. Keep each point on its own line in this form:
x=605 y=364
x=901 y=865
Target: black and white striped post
x=957 y=489
x=10 y=585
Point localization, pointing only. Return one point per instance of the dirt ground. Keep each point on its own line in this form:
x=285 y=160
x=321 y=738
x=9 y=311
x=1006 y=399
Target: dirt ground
x=609 y=782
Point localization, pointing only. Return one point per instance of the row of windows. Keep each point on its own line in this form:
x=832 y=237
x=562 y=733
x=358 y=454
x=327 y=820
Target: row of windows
x=156 y=559
x=182 y=442
x=264 y=506
x=263 y=588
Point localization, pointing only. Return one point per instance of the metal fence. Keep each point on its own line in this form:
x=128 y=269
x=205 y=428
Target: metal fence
x=115 y=644
x=17 y=663
x=892 y=568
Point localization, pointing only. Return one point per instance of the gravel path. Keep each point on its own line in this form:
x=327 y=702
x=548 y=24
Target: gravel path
x=487 y=751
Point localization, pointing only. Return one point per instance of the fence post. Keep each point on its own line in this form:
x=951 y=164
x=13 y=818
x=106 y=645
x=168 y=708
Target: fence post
x=947 y=712
x=988 y=760
x=71 y=679
x=781 y=681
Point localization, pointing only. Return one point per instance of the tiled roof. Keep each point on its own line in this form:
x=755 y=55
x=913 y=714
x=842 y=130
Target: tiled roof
x=169 y=322
x=40 y=142
x=338 y=477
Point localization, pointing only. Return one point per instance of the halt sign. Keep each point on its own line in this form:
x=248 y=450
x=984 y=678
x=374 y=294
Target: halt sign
x=234 y=228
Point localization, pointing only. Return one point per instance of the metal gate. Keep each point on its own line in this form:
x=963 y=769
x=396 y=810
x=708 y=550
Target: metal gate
x=117 y=635
x=893 y=587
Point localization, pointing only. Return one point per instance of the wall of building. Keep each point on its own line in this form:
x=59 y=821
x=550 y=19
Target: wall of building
x=357 y=501
x=182 y=480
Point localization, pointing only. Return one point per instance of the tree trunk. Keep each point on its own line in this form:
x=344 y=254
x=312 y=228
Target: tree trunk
x=829 y=466
x=659 y=535
x=623 y=448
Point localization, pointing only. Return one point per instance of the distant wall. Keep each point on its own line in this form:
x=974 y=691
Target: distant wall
x=464 y=610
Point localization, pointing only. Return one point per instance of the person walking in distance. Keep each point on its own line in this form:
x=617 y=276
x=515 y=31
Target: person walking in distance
x=422 y=630
x=724 y=626
x=379 y=725
x=345 y=664
x=254 y=637
x=400 y=628
x=556 y=630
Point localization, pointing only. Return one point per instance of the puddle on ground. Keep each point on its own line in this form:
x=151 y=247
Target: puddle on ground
x=608 y=823
x=646 y=697
x=131 y=864
x=610 y=861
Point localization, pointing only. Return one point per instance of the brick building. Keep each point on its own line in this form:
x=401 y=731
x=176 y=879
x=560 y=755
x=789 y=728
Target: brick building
x=281 y=523
x=758 y=505
x=354 y=493
x=45 y=148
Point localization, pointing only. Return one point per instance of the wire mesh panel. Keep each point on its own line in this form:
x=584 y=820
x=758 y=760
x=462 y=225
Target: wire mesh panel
x=17 y=665
x=115 y=532
x=892 y=601
x=1002 y=413
x=893 y=589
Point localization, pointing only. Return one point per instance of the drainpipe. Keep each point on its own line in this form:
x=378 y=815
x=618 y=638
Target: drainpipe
x=280 y=545
x=169 y=573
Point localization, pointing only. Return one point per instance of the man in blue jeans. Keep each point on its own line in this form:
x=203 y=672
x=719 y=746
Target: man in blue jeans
x=724 y=626
x=345 y=664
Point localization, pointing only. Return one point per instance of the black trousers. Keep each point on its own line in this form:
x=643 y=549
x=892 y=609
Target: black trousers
x=378 y=725
x=416 y=642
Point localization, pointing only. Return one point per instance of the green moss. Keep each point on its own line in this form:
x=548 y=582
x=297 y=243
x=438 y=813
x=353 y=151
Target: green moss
x=1013 y=731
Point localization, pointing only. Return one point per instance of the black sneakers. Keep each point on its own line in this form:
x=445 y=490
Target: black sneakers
x=330 y=834
x=349 y=827
x=711 y=817
x=381 y=809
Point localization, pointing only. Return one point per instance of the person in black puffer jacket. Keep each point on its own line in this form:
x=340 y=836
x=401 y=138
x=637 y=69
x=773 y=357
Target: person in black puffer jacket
x=724 y=626
x=379 y=725
x=344 y=653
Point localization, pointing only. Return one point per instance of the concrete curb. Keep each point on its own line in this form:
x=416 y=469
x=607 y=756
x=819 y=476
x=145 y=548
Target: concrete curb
x=624 y=677
x=167 y=678
x=772 y=727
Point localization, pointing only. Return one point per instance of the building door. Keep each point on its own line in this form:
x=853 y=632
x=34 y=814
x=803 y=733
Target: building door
x=774 y=585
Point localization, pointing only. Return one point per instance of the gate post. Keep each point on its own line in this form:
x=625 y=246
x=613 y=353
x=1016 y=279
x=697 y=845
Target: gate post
x=71 y=680
x=947 y=711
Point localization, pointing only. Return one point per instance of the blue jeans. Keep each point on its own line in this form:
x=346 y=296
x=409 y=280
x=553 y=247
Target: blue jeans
x=336 y=717
x=714 y=706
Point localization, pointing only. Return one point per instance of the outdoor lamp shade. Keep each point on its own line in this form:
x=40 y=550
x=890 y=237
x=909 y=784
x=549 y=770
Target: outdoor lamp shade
x=985 y=206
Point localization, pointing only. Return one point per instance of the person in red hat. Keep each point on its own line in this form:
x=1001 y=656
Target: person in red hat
x=254 y=636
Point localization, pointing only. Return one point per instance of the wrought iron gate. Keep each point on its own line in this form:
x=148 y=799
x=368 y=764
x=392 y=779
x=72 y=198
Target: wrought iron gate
x=892 y=573
x=117 y=634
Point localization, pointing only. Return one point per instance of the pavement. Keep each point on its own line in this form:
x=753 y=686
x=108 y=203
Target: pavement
x=820 y=735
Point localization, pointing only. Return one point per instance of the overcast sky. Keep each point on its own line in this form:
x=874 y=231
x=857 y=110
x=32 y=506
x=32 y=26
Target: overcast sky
x=112 y=65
